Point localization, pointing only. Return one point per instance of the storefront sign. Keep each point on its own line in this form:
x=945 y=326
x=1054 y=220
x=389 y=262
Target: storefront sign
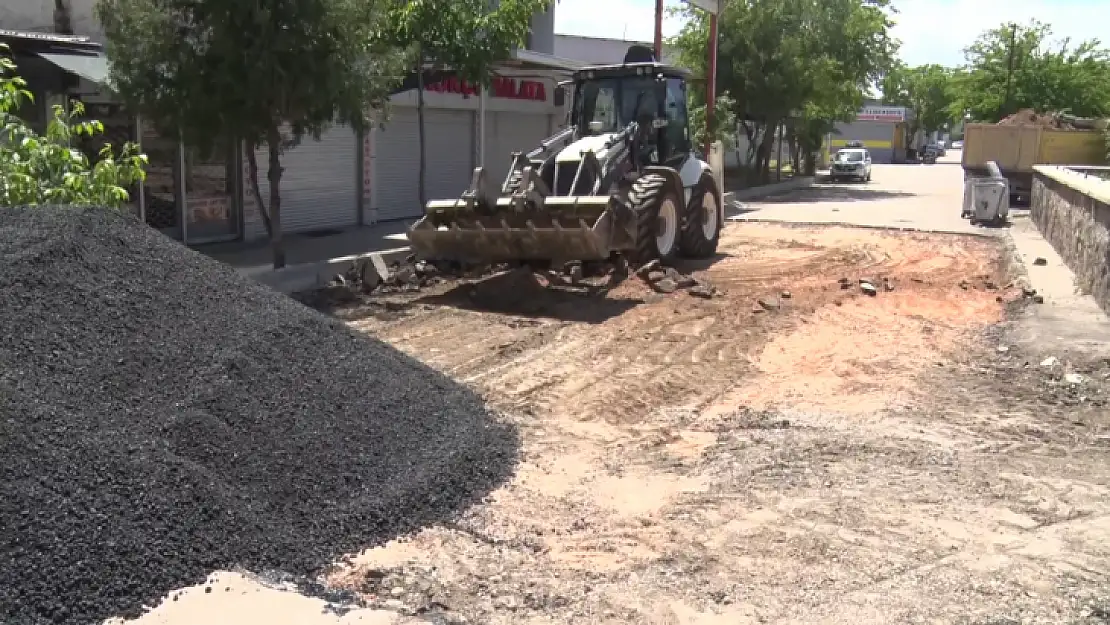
x=501 y=87
x=882 y=114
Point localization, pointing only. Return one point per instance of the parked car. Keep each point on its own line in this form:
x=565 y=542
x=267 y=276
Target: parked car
x=957 y=145
x=939 y=148
x=851 y=163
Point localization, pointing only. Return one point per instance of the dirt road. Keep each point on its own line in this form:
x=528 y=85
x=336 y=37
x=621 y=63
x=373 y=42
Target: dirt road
x=793 y=451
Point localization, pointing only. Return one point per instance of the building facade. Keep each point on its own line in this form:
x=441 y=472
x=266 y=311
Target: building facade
x=344 y=179
x=881 y=129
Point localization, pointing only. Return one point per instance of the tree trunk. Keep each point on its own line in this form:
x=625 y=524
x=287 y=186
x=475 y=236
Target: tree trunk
x=277 y=245
x=420 y=128
x=252 y=174
x=765 y=145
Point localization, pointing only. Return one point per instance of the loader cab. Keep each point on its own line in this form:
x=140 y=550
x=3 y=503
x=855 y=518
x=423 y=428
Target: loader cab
x=609 y=98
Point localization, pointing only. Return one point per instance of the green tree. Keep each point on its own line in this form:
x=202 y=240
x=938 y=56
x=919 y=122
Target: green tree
x=801 y=63
x=268 y=73
x=925 y=90
x=724 y=115
x=1014 y=67
x=47 y=169
x=467 y=37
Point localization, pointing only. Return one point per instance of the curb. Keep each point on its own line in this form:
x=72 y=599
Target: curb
x=310 y=276
x=769 y=190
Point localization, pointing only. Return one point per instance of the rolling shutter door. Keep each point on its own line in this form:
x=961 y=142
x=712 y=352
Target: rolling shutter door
x=449 y=143
x=508 y=132
x=320 y=184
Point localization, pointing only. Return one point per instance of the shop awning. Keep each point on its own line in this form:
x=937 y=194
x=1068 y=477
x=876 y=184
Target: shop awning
x=92 y=67
x=547 y=60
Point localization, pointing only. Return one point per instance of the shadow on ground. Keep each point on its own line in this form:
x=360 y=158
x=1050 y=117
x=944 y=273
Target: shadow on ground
x=825 y=192
x=689 y=265
x=524 y=294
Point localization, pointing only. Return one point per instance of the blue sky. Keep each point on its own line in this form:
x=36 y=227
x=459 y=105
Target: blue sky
x=931 y=31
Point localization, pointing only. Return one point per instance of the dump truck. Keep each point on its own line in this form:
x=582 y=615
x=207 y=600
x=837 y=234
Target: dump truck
x=1016 y=147
x=622 y=179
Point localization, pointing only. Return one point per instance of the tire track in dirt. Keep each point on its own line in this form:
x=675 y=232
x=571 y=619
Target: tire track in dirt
x=647 y=497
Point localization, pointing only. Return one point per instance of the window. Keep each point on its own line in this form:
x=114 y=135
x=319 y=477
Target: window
x=677 y=134
x=597 y=102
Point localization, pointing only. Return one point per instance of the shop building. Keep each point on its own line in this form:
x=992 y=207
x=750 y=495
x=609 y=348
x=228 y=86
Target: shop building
x=881 y=129
x=345 y=179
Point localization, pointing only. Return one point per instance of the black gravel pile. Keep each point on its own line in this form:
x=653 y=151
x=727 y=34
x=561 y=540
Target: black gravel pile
x=162 y=417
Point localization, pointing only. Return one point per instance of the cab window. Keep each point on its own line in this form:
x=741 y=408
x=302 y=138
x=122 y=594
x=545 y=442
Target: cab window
x=677 y=132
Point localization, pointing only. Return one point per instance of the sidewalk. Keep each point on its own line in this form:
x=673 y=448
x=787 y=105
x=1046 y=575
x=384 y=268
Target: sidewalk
x=311 y=260
x=306 y=248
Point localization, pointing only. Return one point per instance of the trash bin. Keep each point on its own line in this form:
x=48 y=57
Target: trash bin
x=987 y=200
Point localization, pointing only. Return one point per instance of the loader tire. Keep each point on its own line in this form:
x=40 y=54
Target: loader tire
x=701 y=228
x=658 y=214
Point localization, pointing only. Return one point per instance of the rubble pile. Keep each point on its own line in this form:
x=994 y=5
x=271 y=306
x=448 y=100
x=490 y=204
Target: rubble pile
x=666 y=280
x=1029 y=117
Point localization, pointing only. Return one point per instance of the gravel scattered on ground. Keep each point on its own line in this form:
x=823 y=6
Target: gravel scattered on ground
x=163 y=417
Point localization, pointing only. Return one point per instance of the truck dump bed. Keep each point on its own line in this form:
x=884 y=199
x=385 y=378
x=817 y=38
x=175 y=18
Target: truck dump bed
x=1017 y=148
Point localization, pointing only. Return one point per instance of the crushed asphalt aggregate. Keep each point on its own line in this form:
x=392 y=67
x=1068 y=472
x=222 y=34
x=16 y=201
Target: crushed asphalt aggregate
x=162 y=417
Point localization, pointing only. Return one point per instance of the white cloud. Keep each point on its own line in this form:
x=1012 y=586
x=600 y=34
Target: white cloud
x=937 y=31
x=931 y=31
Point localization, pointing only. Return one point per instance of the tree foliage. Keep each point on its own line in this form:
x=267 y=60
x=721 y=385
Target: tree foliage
x=806 y=62
x=724 y=113
x=467 y=37
x=46 y=169
x=259 y=72
x=926 y=90
x=1015 y=66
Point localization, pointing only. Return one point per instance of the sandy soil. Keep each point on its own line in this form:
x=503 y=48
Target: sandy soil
x=793 y=451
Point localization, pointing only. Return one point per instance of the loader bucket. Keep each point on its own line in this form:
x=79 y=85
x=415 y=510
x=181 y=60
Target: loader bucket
x=554 y=234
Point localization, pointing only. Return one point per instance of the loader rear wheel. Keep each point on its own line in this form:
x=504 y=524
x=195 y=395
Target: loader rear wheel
x=658 y=218
x=702 y=227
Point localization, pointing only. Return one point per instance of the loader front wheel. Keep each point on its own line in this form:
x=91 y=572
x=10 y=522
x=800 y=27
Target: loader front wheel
x=702 y=226
x=658 y=218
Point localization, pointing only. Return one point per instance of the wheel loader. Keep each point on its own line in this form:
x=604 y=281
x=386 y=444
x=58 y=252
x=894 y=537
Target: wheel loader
x=620 y=180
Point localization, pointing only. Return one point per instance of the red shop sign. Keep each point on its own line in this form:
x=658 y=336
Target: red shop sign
x=501 y=87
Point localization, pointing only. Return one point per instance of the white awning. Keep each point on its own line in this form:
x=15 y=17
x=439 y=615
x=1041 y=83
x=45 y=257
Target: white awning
x=92 y=67
x=547 y=60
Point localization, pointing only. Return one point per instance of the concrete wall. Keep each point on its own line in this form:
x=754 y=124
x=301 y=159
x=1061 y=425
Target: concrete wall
x=1071 y=208
x=543 y=32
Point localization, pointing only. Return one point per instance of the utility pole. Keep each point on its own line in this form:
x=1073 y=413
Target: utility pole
x=711 y=86
x=1009 y=72
x=659 y=30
